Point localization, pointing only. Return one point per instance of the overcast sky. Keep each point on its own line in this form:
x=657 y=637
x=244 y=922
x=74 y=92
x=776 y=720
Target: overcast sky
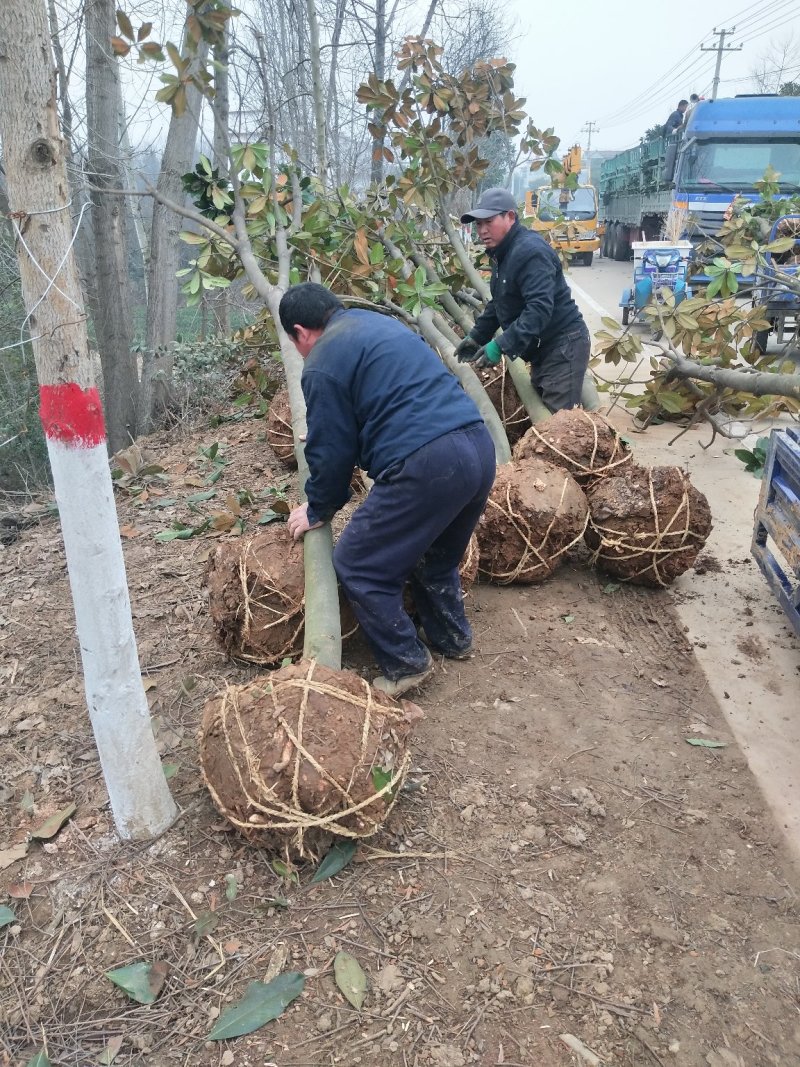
x=625 y=65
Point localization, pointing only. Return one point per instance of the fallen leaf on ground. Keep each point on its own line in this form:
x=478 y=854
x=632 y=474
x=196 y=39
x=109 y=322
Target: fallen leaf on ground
x=20 y=890
x=12 y=854
x=261 y=1004
x=705 y=742
x=350 y=978
x=50 y=827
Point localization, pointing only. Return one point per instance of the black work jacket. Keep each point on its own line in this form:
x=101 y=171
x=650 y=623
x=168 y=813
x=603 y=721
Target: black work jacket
x=531 y=300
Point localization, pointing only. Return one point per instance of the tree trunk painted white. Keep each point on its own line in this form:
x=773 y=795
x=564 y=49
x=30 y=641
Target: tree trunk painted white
x=34 y=159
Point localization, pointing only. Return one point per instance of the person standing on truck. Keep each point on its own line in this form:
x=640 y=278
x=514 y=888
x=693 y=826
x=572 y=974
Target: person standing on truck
x=675 y=121
x=531 y=304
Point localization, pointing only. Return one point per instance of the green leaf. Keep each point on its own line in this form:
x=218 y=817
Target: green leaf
x=195 y=497
x=380 y=778
x=704 y=742
x=568 y=619
x=231 y=887
x=50 y=827
x=280 y=868
x=39 y=1060
x=261 y=1004
x=612 y=587
x=350 y=979
x=7 y=916
x=138 y=980
x=170 y=770
x=337 y=859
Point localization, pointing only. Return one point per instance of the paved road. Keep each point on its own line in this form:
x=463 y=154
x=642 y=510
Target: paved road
x=742 y=639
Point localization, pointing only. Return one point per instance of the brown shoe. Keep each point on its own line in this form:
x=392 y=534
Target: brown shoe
x=395 y=687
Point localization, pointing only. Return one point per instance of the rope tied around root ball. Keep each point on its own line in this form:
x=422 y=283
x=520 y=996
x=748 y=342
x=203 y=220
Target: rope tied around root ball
x=655 y=548
x=581 y=468
x=293 y=607
x=270 y=812
x=522 y=528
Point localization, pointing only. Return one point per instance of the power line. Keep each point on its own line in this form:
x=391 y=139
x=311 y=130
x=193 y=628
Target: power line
x=768 y=29
x=750 y=22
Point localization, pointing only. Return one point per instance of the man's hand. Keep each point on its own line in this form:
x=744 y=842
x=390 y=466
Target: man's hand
x=298 y=522
x=467 y=350
x=488 y=356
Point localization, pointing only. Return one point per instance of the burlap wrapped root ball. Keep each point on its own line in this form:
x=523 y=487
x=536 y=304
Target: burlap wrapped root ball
x=647 y=524
x=279 y=428
x=501 y=391
x=305 y=753
x=535 y=513
x=582 y=442
x=256 y=596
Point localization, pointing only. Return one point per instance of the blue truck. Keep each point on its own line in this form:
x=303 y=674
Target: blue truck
x=725 y=148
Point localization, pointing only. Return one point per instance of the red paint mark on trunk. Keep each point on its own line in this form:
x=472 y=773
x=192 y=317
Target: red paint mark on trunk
x=72 y=415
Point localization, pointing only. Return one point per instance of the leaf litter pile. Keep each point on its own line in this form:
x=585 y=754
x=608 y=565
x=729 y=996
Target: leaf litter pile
x=563 y=880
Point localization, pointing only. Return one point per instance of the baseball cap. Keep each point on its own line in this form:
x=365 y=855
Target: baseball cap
x=493 y=202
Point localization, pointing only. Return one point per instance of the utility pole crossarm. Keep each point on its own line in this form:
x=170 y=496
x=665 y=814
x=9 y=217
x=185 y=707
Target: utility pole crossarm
x=720 y=48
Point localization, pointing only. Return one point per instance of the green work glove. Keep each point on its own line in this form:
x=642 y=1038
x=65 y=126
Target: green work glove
x=488 y=356
x=467 y=350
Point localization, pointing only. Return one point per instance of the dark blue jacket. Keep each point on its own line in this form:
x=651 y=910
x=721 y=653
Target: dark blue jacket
x=375 y=392
x=531 y=300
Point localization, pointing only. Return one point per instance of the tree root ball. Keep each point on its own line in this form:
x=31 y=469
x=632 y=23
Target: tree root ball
x=535 y=513
x=502 y=393
x=257 y=595
x=303 y=754
x=582 y=442
x=279 y=428
x=647 y=524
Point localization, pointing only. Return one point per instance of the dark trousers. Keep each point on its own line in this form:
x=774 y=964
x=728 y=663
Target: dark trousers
x=558 y=368
x=415 y=525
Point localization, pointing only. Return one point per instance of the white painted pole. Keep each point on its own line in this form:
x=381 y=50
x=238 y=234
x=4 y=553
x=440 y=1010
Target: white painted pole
x=72 y=417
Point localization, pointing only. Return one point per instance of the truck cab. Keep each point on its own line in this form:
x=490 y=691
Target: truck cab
x=552 y=207
x=726 y=148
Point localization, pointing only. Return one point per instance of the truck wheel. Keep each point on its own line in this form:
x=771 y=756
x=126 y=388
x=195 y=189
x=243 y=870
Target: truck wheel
x=621 y=246
x=626 y=315
x=608 y=240
x=588 y=259
x=760 y=341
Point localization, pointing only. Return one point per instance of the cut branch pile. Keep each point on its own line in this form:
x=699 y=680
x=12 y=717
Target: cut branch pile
x=305 y=754
x=647 y=525
x=536 y=512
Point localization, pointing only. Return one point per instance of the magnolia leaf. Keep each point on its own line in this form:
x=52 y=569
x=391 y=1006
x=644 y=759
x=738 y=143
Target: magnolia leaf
x=350 y=979
x=124 y=23
x=50 y=827
x=338 y=858
x=206 y=922
x=704 y=742
x=7 y=916
x=39 y=1060
x=261 y=1004
x=141 y=981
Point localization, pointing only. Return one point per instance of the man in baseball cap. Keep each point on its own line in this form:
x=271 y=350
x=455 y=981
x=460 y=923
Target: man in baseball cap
x=531 y=304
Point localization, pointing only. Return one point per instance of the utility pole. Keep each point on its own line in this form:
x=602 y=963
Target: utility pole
x=589 y=127
x=719 y=49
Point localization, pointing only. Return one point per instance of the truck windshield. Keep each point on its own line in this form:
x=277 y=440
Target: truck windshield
x=581 y=205
x=739 y=164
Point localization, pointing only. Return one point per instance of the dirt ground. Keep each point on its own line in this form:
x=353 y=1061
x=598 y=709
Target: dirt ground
x=561 y=862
